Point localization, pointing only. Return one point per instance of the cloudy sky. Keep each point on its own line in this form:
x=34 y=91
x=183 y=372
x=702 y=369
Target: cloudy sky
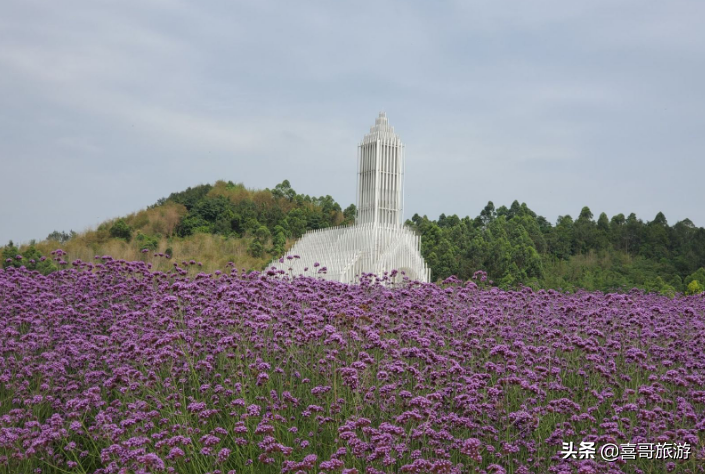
x=106 y=106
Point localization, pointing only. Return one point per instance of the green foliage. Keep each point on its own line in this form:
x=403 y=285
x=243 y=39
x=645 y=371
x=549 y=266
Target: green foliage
x=255 y=249
x=192 y=224
x=150 y=242
x=121 y=230
x=694 y=288
x=262 y=234
x=516 y=247
x=274 y=216
x=61 y=237
x=190 y=197
x=296 y=222
x=698 y=275
x=30 y=258
x=283 y=190
x=349 y=214
x=9 y=253
x=278 y=241
x=695 y=282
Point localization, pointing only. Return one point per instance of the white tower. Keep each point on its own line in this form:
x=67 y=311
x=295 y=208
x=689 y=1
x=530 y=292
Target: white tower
x=378 y=242
x=380 y=178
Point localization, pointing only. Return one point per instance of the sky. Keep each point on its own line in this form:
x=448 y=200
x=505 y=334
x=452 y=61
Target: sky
x=107 y=106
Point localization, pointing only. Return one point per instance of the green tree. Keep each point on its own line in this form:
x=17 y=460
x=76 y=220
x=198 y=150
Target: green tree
x=284 y=190
x=150 y=242
x=252 y=225
x=262 y=234
x=296 y=222
x=694 y=288
x=656 y=238
x=698 y=275
x=488 y=214
x=61 y=237
x=524 y=256
x=255 y=248
x=9 y=252
x=192 y=224
x=686 y=249
x=213 y=208
x=349 y=214
x=584 y=231
x=278 y=241
x=633 y=233
x=329 y=209
x=602 y=232
x=447 y=263
x=121 y=230
x=564 y=240
x=618 y=231
x=190 y=197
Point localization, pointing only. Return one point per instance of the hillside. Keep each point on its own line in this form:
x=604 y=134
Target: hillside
x=209 y=226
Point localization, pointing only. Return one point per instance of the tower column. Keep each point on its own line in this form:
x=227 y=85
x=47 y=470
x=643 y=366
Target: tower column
x=380 y=176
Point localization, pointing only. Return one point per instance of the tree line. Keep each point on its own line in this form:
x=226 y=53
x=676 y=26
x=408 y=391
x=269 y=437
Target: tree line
x=513 y=245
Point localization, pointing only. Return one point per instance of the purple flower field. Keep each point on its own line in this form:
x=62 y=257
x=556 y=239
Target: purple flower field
x=110 y=367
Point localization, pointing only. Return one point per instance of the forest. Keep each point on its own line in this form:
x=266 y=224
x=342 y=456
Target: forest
x=513 y=245
x=517 y=247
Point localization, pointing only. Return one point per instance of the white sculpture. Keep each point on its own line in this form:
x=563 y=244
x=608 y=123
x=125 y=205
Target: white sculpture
x=378 y=242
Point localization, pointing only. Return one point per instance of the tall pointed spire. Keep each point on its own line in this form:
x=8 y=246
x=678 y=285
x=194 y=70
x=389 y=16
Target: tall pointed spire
x=381 y=129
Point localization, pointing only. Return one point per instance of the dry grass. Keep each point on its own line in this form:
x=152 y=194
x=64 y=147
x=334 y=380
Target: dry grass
x=213 y=251
x=159 y=223
x=160 y=220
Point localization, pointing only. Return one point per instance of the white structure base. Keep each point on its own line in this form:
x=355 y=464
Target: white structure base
x=348 y=252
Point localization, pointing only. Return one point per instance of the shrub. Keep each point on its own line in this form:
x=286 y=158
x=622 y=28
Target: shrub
x=694 y=288
x=150 y=242
x=255 y=249
x=121 y=230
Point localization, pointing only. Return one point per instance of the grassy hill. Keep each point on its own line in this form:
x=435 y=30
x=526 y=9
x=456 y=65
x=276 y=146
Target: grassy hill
x=210 y=224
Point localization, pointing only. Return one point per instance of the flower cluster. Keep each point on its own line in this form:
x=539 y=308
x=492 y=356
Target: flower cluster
x=110 y=367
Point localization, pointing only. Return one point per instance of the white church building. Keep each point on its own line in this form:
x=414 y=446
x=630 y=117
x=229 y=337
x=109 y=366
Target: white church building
x=378 y=242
